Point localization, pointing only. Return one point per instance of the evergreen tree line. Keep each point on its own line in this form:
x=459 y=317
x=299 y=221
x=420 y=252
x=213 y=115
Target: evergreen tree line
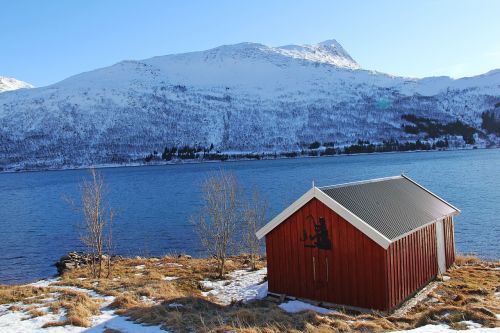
x=491 y=124
x=313 y=149
x=435 y=129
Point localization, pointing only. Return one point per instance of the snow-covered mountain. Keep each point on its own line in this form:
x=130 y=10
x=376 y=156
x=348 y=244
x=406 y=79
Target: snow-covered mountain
x=246 y=96
x=9 y=84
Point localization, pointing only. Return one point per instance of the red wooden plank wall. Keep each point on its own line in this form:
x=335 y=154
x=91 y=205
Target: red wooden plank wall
x=449 y=241
x=412 y=263
x=354 y=272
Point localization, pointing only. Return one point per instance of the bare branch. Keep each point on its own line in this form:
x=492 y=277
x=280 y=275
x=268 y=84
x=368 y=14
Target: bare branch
x=97 y=222
x=254 y=216
x=217 y=222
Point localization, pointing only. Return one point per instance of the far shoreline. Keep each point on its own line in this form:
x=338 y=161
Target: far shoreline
x=190 y=162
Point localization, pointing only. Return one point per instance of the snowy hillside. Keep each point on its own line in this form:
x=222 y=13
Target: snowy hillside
x=246 y=97
x=9 y=83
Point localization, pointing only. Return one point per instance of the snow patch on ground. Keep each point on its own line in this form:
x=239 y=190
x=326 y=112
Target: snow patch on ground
x=19 y=321
x=298 y=306
x=470 y=324
x=175 y=305
x=121 y=324
x=170 y=278
x=446 y=329
x=44 y=283
x=242 y=285
x=16 y=322
x=173 y=264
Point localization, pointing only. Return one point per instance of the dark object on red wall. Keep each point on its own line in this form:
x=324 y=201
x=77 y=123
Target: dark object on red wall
x=367 y=245
x=320 y=237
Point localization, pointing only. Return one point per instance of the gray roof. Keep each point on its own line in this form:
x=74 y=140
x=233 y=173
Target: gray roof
x=393 y=206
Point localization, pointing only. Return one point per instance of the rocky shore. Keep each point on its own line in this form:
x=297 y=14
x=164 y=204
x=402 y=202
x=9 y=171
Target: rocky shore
x=73 y=260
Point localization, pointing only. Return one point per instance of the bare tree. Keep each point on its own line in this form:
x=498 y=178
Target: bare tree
x=254 y=216
x=97 y=223
x=109 y=244
x=217 y=222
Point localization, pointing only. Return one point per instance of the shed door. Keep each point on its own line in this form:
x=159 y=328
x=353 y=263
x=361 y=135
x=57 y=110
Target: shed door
x=441 y=255
x=317 y=244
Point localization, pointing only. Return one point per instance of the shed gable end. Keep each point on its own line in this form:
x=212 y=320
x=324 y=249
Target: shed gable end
x=316 y=254
x=347 y=215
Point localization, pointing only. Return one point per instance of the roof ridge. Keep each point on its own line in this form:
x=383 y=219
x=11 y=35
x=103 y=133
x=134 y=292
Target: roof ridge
x=360 y=182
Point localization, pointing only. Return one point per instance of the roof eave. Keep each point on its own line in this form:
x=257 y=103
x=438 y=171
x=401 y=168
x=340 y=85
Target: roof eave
x=423 y=226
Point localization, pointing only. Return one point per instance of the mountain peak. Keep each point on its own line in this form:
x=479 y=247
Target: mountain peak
x=329 y=42
x=329 y=52
x=9 y=83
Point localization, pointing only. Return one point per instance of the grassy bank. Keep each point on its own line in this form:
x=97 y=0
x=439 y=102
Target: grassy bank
x=168 y=292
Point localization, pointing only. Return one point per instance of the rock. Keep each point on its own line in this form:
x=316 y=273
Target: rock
x=184 y=256
x=74 y=260
x=65 y=258
x=69 y=265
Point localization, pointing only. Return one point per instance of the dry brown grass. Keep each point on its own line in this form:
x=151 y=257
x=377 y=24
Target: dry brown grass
x=54 y=324
x=26 y=294
x=78 y=305
x=467 y=259
x=200 y=315
x=468 y=295
x=79 y=308
x=125 y=301
x=149 y=281
x=15 y=308
x=35 y=312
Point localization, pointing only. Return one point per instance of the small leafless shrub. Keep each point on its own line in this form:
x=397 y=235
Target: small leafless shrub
x=217 y=222
x=254 y=216
x=97 y=224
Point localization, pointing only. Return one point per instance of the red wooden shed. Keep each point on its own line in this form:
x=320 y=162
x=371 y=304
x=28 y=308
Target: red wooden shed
x=368 y=245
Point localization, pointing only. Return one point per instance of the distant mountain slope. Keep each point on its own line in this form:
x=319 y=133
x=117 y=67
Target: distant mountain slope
x=247 y=96
x=9 y=84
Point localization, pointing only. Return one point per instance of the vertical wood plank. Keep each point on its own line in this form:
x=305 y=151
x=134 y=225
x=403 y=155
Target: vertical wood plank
x=336 y=267
x=351 y=253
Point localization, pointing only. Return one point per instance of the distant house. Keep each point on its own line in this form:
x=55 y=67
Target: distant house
x=368 y=245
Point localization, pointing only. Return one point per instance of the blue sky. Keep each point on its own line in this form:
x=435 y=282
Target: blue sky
x=43 y=42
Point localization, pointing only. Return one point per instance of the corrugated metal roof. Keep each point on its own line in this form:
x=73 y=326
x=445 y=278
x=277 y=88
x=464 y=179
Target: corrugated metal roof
x=393 y=206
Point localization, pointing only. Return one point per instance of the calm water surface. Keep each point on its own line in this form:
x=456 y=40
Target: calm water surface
x=154 y=204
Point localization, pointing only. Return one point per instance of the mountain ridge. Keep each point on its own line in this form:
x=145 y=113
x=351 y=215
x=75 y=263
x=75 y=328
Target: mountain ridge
x=246 y=97
x=11 y=84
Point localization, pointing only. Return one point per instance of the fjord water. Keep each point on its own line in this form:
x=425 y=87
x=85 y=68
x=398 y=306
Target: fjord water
x=154 y=204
